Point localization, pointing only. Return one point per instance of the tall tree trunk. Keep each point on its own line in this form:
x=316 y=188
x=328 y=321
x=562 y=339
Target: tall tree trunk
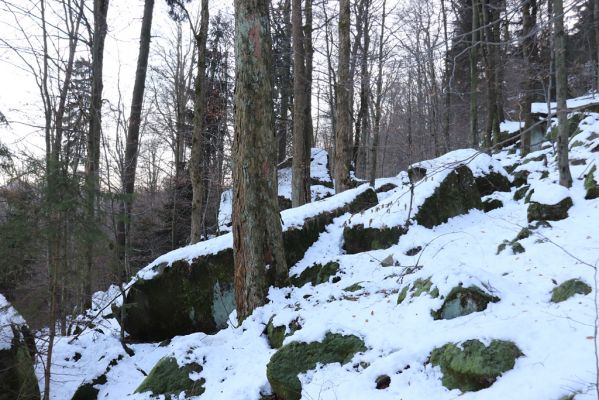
x=561 y=79
x=285 y=82
x=92 y=165
x=132 y=143
x=474 y=77
x=596 y=23
x=447 y=81
x=343 y=132
x=300 y=168
x=364 y=113
x=377 y=105
x=257 y=234
x=197 y=139
x=529 y=21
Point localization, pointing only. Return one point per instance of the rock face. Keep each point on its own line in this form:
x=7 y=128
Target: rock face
x=17 y=348
x=568 y=289
x=357 y=239
x=296 y=357
x=474 y=366
x=463 y=301
x=197 y=295
x=591 y=185
x=456 y=195
x=316 y=274
x=492 y=182
x=549 y=212
x=168 y=378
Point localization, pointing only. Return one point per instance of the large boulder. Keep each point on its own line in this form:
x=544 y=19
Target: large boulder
x=17 y=349
x=191 y=289
x=549 y=202
x=169 y=379
x=591 y=185
x=445 y=193
x=472 y=366
x=298 y=357
x=568 y=289
x=462 y=301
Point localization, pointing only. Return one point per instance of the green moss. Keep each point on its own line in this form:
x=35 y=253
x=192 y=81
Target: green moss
x=17 y=376
x=591 y=185
x=416 y=289
x=520 y=193
x=456 y=195
x=354 y=288
x=474 y=366
x=277 y=334
x=520 y=178
x=573 y=129
x=492 y=182
x=549 y=212
x=357 y=239
x=316 y=274
x=523 y=234
x=168 y=378
x=544 y=175
x=568 y=289
x=528 y=196
x=492 y=204
x=517 y=248
x=403 y=294
x=463 y=301
x=295 y=358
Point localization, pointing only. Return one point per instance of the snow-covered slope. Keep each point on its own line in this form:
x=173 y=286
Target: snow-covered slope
x=556 y=339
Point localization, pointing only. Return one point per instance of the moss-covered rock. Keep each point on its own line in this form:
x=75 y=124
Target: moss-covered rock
x=168 y=378
x=568 y=289
x=474 y=366
x=357 y=238
x=492 y=182
x=277 y=334
x=523 y=234
x=516 y=247
x=520 y=178
x=386 y=187
x=89 y=390
x=573 y=128
x=316 y=274
x=17 y=376
x=416 y=289
x=492 y=204
x=354 y=288
x=456 y=195
x=198 y=296
x=549 y=212
x=298 y=357
x=591 y=185
x=463 y=301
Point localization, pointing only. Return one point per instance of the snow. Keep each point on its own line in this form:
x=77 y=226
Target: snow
x=549 y=193
x=557 y=339
x=511 y=126
x=8 y=317
x=541 y=108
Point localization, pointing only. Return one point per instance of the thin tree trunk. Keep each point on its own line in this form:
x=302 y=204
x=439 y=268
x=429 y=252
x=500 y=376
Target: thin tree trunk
x=596 y=23
x=447 y=81
x=198 y=140
x=300 y=175
x=92 y=166
x=529 y=16
x=561 y=78
x=343 y=128
x=377 y=105
x=257 y=234
x=364 y=113
x=285 y=82
x=474 y=77
x=132 y=144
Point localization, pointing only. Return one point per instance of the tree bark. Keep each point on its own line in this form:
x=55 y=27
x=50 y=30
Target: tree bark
x=257 y=235
x=92 y=166
x=529 y=21
x=132 y=143
x=343 y=132
x=474 y=77
x=364 y=113
x=447 y=81
x=561 y=79
x=300 y=168
x=596 y=23
x=196 y=169
x=377 y=105
x=285 y=82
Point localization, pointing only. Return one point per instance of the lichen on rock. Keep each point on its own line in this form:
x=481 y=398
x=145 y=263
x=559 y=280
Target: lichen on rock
x=298 y=357
x=591 y=185
x=168 y=378
x=472 y=366
x=568 y=289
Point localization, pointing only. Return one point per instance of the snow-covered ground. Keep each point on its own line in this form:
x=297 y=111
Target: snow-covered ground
x=557 y=339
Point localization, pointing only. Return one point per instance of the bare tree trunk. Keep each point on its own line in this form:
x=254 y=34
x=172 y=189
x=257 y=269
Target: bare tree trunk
x=285 y=83
x=447 y=81
x=561 y=79
x=300 y=169
x=132 y=144
x=198 y=140
x=257 y=234
x=529 y=21
x=364 y=113
x=474 y=77
x=92 y=166
x=343 y=132
x=596 y=22
x=377 y=105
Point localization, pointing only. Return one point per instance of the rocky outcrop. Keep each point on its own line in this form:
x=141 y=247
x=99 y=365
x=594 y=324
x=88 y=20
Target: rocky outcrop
x=195 y=293
x=591 y=185
x=549 y=212
x=17 y=349
x=297 y=357
x=472 y=366
x=462 y=301
x=169 y=379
